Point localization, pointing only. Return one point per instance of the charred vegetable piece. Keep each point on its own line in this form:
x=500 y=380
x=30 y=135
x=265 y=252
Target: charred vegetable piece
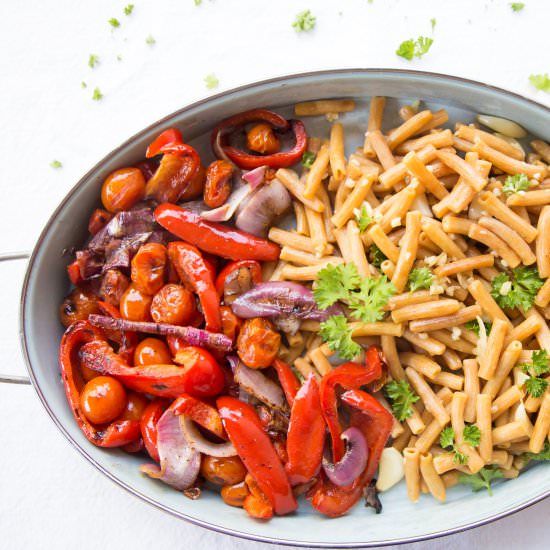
x=258 y=343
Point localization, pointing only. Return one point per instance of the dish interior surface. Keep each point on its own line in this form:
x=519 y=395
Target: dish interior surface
x=46 y=284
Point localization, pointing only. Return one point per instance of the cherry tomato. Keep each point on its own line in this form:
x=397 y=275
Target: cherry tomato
x=230 y=322
x=77 y=306
x=152 y=351
x=135 y=406
x=223 y=471
x=234 y=495
x=135 y=304
x=195 y=186
x=122 y=189
x=103 y=399
x=173 y=304
x=258 y=343
x=218 y=183
x=260 y=138
x=148 y=267
x=204 y=377
x=113 y=286
x=98 y=220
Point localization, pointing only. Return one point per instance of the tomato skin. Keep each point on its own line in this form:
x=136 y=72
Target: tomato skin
x=135 y=406
x=258 y=343
x=148 y=267
x=135 y=304
x=122 y=189
x=204 y=377
x=231 y=324
x=77 y=306
x=173 y=304
x=152 y=351
x=103 y=399
x=223 y=471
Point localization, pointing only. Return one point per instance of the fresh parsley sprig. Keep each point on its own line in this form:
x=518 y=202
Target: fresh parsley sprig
x=482 y=479
x=414 y=48
x=474 y=326
x=420 y=278
x=535 y=385
x=517 y=291
x=402 y=398
x=471 y=435
x=334 y=283
x=304 y=21
x=336 y=332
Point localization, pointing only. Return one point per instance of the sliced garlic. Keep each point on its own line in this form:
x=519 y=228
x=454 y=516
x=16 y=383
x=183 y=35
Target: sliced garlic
x=391 y=469
x=502 y=125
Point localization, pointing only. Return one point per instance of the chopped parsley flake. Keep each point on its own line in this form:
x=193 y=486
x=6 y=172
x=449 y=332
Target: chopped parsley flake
x=304 y=22
x=363 y=218
x=308 y=158
x=97 y=95
x=211 y=81
x=540 y=82
x=414 y=48
x=93 y=60
x=150 y=40
x=114 y=22
x=56 y=164
x=83 y=84
x=516 y=183
x=517 y=6
x=433 y=23
x=128 y=9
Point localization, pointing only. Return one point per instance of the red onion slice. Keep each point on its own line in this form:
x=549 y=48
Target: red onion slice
x=353 y=462
x=200 y=443
x=255 y=177
x=179 y=461
x=261 y=387
x=281 y=299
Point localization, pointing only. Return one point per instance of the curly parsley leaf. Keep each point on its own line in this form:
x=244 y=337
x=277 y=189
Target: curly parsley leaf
x=402 y=397
x=481 y=480
x=373 y=295
x=519 y=290
x=447 y=437
x=543 y=455
x=420 y=278
x=376 y=256
x=472 y=435
x=517 y=6
x=335 y=282
x=514 y=184
x=540 y=82
x=304 y=22
x=414 y=48
x=474 y=326
x=308 y=158
x=336 y=332
x=534 y=385
x=363 y=218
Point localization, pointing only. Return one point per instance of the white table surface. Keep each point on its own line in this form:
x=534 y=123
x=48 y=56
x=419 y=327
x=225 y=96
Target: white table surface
x=49 y=496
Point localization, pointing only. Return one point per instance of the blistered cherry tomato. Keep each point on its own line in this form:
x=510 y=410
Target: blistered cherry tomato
x=135 y=406
x=204 y=377
x=235 y=495
x=258 y=343
x=77 y=306
x=218 y=183
x=223 y=471
x=261 y=139
x=103 y=399
x=148 y=266
x=122 y=189
x=230 y=322
x=173 y=304
x=135 y=304
x=113 y=286
x=152 y=351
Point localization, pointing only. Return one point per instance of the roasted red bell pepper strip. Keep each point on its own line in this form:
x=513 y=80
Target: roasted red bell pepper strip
x=200 y=412
x=128 y=340
x=348 y=376
x=119 y=432
x=158 y=380
x=148 y=426
x=287 y=379
x=257 y=452
x=192 y=269
x=306 y=434
x=252 y=265
x=98 y=220
x=374 y=421
x=215 y=238
x=73 y=271
x=249 y=161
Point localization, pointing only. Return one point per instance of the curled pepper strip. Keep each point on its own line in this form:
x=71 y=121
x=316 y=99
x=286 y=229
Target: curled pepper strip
x=148 y=426
x=119 y=432
x=200 y=412
x=348 y=376
x=192 y=268
x=231 y=268
x=248 y=161
x=287 y=379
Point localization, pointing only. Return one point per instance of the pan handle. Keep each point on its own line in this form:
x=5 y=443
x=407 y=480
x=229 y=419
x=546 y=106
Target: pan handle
x=11 y=378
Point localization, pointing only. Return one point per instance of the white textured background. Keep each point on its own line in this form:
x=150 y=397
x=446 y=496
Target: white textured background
x=49 y=496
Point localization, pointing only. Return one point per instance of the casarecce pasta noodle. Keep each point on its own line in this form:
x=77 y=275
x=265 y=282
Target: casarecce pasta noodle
x=338 y=309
